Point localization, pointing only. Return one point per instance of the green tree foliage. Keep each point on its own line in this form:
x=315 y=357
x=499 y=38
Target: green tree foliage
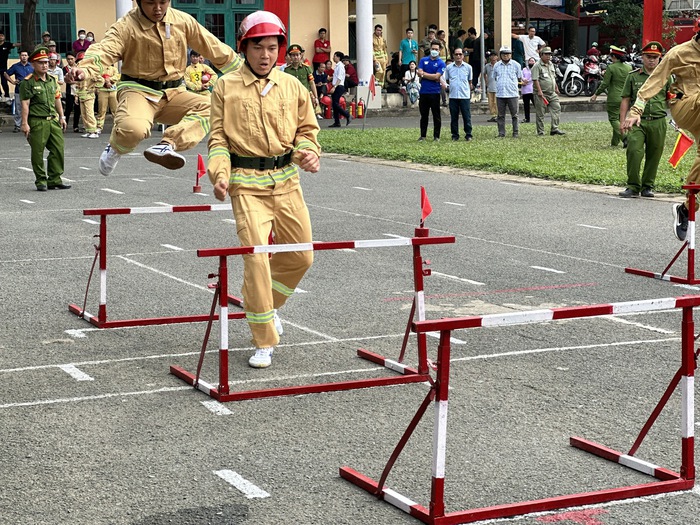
x=623 y=22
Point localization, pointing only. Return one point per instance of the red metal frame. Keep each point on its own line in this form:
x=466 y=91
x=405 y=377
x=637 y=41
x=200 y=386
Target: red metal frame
x=222 y=392
x=689 y=243
x=100 y=320
x=669 y=481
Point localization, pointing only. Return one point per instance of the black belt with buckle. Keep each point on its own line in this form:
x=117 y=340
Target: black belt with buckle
x=261 y=163
x=153 y=84
x=52 y=117
x=653 y=118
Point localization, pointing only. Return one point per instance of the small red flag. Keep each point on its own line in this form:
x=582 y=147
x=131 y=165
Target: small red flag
x=372 y=88
x=201 y=168
x=425 y=207
x=683 y=143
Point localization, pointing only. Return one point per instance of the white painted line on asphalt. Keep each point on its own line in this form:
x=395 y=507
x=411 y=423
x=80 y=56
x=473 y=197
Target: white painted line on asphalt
x=216 y=408
x=545 y=269
x=90 y=221
x=24 y=169
x=66 y=179
x=112 y=191
x=356 y=188
x=687 y=286
x=347 y=250
x=394 y=236
x=299 y=290
x=454 y=340
x=454 y=277
x=161 y=203
x=139 y=180
x=75 y=373
x=199 y=287
x=171 y=247
x=249 y=490
x=230 y=221
x=564 y=348
x=84 y=168
x=92 y=398
x=509 y=183
x=640 y=325
x=454 y=203
x=310 y=331
x=133 y=154
x=202 y=194
x=592 y=227
x=26 y=201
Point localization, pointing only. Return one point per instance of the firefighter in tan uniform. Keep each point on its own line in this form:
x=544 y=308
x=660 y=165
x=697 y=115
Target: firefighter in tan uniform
x=381 y=56
x=683 y=62
x=152 y=40
x=199 y=77
x=263 y=129
x=107 y=96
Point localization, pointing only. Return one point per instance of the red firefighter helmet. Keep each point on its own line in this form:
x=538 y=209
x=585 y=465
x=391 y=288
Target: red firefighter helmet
x=259 y=25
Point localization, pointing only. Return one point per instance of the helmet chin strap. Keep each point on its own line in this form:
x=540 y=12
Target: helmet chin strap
x=255 y=73
x=138 y=2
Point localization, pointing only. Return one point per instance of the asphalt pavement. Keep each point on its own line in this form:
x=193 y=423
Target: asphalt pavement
x=95 y=430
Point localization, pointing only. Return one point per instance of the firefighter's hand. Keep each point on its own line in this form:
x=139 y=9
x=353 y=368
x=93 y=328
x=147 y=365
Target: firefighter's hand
x=75 y=75
x=221 y=190
x=632 y=120
x=309 y=161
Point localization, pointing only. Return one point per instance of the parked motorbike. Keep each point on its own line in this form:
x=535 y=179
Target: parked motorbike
x=592 y=75
x=569 y=79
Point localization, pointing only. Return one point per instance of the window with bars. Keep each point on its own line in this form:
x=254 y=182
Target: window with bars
x=221 y=17
x=55 y=16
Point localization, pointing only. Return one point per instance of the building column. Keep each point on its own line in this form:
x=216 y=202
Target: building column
x=365 y=53
x=123 y=7
x=502 y=22
x=471 y=15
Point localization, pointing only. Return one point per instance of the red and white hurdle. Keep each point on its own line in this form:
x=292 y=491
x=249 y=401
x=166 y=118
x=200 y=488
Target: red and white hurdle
x=669 y=480
x=689 y=243
x=100 y=320
x=222 y=391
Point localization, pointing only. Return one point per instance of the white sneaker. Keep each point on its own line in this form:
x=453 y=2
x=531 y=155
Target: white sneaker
x=93 y=135
x=108 y=160
x=262 y=358
x=85 y=135
x=278 y=324
x=164 y=154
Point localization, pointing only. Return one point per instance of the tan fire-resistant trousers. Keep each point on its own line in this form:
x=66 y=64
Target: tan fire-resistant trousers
x=186 y=114
x=269 y=281
x=105 y=99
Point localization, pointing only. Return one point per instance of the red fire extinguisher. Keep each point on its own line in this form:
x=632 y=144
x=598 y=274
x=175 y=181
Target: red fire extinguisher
x=353 y=109
x=326 y=101
x=361 y=109
x=343 y=105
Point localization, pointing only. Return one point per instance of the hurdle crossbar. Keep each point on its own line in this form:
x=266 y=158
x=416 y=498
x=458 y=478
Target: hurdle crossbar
x=688 y=245
x=100 y=320
x=668 y=480
x=406 y=374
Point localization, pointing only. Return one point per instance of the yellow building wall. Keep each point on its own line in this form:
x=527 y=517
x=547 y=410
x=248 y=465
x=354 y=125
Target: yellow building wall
x=306 y=17
x=95 y=16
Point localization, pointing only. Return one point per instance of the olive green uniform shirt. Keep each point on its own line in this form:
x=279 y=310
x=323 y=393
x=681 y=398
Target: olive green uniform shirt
x=656 y=105
x=546 y=75
x=303 y=74
x=614 y=81
x=41 y=94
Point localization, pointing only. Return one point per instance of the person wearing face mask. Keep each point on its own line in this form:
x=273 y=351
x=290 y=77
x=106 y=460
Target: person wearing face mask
x=90 y=37
x=544 y=82
x=430 y=71
x=526 y=89
x=507 y=74
x=151 y=40
x=256 y=161
x=82 y=43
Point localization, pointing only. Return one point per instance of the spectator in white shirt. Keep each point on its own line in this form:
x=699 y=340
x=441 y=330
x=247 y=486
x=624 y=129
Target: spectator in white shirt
x=532 y=44
x=337 y=90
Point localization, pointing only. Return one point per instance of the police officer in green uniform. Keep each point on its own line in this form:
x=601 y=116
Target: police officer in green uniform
x=645 y=141
x=43 y=122
x=301 y=71
x=613 y=82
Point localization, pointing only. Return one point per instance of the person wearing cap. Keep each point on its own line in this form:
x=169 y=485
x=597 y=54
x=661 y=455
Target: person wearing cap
x=55 y=69
x=544 y=81
x=428 y=40
x=507 y=74
x=151 y=40
x=107 y=96
x=380 y=54
x=199 y=77
x=351 y=78
x=263 y=130
x=302 y=72
x=81 y=44
x=430 y=71
x=613 y=82
x=19 y=70
x=52 y=47
x=645 y=141
x=43 y=122
x=86 y=92
x=593 y=51
x=45 y=38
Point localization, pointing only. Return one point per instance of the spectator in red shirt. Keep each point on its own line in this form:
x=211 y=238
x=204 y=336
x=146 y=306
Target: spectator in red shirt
x=82 y=43
x=593 y=50
x=322 y=48
x=351 y=79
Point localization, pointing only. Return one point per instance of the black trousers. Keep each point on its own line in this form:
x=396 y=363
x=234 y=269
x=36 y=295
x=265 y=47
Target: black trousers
x=337 y=110
x=72 y=107
x=427 y=103
x=3 y=83
x=528 y=98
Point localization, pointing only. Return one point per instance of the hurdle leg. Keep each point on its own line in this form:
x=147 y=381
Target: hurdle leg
x=442 y=384
x=206 y=335
x=418 y=273
x=223 y=326
x=691 y=236
x=688 y=395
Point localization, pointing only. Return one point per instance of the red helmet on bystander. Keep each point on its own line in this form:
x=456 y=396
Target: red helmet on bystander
x=259 y=25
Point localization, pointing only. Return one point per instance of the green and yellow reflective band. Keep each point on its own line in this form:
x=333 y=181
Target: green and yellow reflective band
x=304 y=144
x=219 y=151
x=204 y=122
x=263 y=318
x=233 y=66
x=280 y=288
x=264 y=180
x=139 y=87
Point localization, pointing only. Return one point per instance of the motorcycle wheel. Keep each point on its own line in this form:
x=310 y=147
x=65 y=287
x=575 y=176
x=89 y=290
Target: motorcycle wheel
x=573 y=87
